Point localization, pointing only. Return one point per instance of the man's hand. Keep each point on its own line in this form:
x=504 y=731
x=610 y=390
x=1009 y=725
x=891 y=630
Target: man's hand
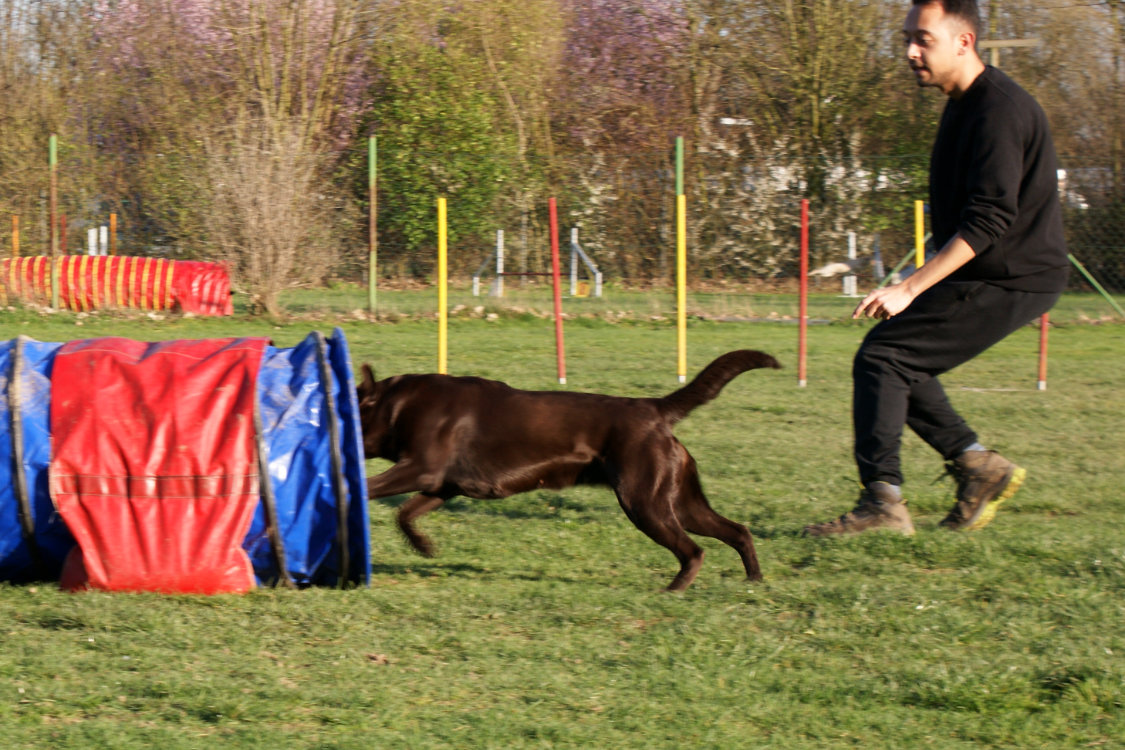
x=884 y=303
x=891 y=300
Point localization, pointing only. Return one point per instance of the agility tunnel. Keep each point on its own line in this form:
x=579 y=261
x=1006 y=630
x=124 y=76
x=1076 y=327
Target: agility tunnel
x=94 y=282
x=191 y=466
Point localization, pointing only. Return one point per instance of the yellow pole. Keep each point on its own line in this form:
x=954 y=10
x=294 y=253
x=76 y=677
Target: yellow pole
x=131 y=294
x=681 y=286
x=78 y=286
x=168 y=284
x=95 y=272
x=681 y=264
x=919 y=234
x=146 y=301
x=443 y=333
x=121 y=281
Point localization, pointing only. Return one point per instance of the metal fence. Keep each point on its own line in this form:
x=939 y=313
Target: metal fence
x=1094 y=218
x=743 y=220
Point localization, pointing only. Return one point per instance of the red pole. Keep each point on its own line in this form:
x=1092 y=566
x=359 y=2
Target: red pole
x=1043 y=320
x=803 y=322
x=560 y=353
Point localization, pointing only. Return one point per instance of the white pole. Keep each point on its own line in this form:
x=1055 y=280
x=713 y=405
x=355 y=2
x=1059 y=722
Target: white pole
x=849 y=280
x=573 y=261
x=499 y=263
x=92 y=241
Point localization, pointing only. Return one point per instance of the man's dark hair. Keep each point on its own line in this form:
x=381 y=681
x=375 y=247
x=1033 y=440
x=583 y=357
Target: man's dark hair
x=967 y=10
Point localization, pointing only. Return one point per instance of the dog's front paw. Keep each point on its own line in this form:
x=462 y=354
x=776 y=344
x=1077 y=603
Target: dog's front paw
x=422 y=545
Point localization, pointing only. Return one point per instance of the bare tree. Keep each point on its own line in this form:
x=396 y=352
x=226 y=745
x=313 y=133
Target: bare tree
x=191 y=81
x=788 y=97
x=269 y=211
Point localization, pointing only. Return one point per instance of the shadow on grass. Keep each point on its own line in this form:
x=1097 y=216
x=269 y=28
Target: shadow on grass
x=544 y=507
x=437 y=569
x=527 y=506
x=431 y=569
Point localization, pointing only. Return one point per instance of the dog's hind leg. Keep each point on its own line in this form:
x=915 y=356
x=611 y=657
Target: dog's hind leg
x=417 y=506
x=698 y=517
x=650 y=513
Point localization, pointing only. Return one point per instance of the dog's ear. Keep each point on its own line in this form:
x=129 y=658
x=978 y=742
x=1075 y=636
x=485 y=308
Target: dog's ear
x=367 y=384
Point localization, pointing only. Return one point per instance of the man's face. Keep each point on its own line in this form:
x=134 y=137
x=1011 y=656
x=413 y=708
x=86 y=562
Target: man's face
x=936 y=45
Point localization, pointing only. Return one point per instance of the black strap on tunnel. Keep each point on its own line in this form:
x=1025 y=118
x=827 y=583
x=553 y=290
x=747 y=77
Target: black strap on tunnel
x=269 y=504
x=19 y=476
x=339 y=485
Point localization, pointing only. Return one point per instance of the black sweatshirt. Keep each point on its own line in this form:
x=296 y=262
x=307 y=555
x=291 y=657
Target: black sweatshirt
x=994 y=179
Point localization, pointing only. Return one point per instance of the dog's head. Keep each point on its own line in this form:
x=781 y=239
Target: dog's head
x=367 y=387
x=368 y=392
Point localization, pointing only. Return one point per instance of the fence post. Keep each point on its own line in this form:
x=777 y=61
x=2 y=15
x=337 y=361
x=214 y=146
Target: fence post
x=573 y=261
x=850 y=280
x=499 y=283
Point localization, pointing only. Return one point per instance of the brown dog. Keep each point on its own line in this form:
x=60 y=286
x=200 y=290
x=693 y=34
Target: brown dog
x=452 y=436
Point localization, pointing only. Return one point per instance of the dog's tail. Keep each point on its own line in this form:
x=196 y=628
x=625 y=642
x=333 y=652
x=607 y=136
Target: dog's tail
x=707 y=384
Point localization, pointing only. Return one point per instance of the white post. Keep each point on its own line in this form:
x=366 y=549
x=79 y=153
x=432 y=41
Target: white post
x=573 y=261
x=499 y=285
x=849 y=280
x=92 y=241
x=103 y=240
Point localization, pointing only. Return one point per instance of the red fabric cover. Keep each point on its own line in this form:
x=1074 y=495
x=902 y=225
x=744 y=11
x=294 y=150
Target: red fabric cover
x=202 y=288
x=154 y=464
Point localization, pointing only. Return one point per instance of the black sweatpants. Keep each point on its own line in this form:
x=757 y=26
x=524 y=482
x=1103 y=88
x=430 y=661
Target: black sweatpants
x=895 y=370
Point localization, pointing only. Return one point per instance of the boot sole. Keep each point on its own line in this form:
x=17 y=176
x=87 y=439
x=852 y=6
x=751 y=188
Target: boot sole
x=988 y=512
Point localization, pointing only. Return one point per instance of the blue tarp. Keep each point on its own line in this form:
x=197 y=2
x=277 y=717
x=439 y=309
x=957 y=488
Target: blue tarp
x=315 y=467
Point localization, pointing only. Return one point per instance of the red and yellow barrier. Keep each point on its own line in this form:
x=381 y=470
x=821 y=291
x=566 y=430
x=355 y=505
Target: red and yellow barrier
x=123 y=282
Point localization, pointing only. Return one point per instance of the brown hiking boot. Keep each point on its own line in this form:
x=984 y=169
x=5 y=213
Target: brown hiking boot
x=879 y=507
x=984 y=480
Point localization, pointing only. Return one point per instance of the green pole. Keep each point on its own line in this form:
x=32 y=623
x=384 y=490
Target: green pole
x=1094 y=283
x=372 y=241
x=901 y=264
x=53 y=199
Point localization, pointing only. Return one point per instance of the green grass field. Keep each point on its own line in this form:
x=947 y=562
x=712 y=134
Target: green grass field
x=540 y=623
